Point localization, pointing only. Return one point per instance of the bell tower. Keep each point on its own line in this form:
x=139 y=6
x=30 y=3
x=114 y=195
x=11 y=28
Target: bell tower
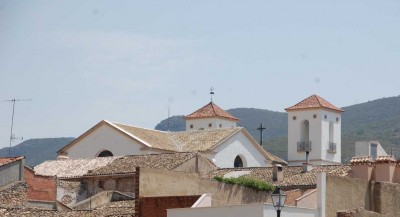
x=314 y=132
x=210 y=116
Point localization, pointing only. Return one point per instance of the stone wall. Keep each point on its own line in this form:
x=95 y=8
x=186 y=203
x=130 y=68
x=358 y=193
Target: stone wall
x=158 y=183
x=157 y=206
x=360 y=212
x=99 y=184
x=70 y=192
x=343 y=193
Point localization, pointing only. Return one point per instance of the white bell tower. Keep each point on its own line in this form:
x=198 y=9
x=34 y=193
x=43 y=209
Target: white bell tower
x=210 y=116
x=314 y=132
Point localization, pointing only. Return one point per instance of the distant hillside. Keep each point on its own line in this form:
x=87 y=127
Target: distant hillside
x=373 y=120
x=37 y=150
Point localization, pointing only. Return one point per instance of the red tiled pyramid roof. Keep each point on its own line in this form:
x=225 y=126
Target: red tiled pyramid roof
x=314 y=102
x=211 y=110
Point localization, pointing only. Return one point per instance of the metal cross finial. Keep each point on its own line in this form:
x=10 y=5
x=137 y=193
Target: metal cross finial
x=211 y=93
x=261 y=128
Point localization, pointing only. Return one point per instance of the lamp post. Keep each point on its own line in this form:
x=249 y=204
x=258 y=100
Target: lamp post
x=278 y=200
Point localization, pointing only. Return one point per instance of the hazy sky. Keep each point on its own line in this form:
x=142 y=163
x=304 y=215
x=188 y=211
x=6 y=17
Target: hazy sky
x=125 y=61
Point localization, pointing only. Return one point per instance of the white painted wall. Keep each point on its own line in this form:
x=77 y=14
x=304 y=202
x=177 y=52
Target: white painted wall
x=318 y=135
x=248 y=210
x=238 y=144
x=104 y=138
x=363 y=148
x=204 y=123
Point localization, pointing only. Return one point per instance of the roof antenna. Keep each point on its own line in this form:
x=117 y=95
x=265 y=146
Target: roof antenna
x=211 y=93
x=12 y=136
x=169 y=115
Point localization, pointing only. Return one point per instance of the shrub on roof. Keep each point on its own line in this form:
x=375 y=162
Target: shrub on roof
x=247 y=182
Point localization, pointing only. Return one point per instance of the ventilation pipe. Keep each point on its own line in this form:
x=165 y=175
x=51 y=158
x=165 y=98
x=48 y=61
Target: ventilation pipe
x=307 y=166
x=277 y=172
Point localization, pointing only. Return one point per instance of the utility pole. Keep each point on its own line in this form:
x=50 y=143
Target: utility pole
x=12 y=137
x=261 y=128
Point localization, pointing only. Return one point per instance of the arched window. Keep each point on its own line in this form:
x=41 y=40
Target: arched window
x=238 y=162
x=305 y=131
x=331 y=132
x=105 y=153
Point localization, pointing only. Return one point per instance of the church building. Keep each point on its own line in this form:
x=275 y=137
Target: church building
x=210 y=131
x=314 y=132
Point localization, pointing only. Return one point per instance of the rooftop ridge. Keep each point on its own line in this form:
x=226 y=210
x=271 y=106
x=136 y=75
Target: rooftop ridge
x=211 y=110
x=314 y=102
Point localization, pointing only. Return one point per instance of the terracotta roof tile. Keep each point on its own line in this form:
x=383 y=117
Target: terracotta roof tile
x=71 y=168
x=385 y=158
x=128 y=163
x=7 y=160
x=187 y=141
x=293 y=176
x=361 y=159
x=112 y=165
x=211 y=110
x=314 y=102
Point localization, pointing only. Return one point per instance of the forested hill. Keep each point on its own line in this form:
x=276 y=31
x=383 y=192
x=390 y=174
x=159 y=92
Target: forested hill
x=374 y=120
x=37 y=150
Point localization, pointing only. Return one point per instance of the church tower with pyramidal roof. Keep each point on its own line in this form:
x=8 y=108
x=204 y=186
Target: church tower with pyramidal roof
x=210 y=116
x=314 y=132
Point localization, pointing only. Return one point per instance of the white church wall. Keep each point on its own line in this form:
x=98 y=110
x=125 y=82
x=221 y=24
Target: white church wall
x=318 y=135
x=104 y=138
x=240 y=145
x=335 y=119
x=203 y=123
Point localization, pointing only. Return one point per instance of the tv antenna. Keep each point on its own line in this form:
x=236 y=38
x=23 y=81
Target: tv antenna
x=12 y=136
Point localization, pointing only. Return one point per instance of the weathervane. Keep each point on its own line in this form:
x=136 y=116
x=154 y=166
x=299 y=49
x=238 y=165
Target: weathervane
x=211 y=93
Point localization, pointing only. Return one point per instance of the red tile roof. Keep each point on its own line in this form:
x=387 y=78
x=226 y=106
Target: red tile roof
x=7 y=160
x=314 y=102
x=211 y=110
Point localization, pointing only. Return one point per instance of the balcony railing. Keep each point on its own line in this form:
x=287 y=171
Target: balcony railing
x=332 y=147
x=304 y=146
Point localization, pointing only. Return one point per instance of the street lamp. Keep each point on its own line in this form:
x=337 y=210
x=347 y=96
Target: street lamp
x=278 y=200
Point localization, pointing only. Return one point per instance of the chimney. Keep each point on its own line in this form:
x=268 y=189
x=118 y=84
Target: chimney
x=307 y=166
x=277 y=172
x=362 y=168
x=385 y=166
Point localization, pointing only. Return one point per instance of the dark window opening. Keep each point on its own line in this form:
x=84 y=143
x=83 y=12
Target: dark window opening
x=191 y=126
x=105 y=153
x=209 y=125
x=238 y=162
x=294 y=117
x=101 y=184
